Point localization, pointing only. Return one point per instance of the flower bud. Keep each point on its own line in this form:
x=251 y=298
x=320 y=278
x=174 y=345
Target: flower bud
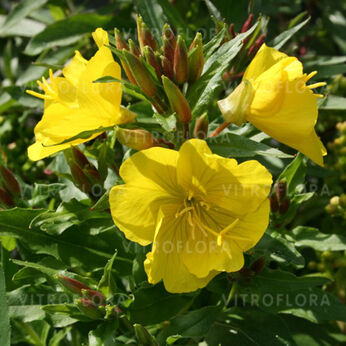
x=181 y=64
x=168 y=33
x=177 y=100
x=143 y=336
x=137 y=139
x=79 y=177
x=145 y=37
x=274 y=204
x=134 y=48
x=196 y=58
x=201 y=127
x=231 y=31
x=281 y=190
x=247 y=23
x=10 y=182
x=284 y=206
x=95 y=297
x=6 y=199
x=71 y=284
x=258 y=265
x=119 y=40
x=234 y=106
x=89 y=309
x=256 y=46
x=140 y=73
x=151 y=59
x=79 y=157
x=167 y=67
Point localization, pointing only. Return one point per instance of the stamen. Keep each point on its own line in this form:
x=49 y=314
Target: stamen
x=316 y=85
x=319 y=95
x=310 y=75
x=182 y=212
x=36 y=94
x=222 y=234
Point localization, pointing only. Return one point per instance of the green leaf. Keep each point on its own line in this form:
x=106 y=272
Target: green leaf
x=280 y=40
x=334 y=103
x=25 y=28
x=312 y=237
x=203 y=92
x=153 y=15
x=250 y=327
x=107 y=283
x=279 y=249
x=210 y=47
x=19 y=12
x=169 y=123
x=294 y=174
x=67 y=31
x=193 y=324
x=232 y=145
x=5 y=329
x=154 y=305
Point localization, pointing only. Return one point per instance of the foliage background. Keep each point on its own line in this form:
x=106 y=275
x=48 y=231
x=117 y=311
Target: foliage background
x=79 y=242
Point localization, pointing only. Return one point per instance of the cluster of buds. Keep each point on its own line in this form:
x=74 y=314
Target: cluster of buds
x=92 y=303
x=10 y=192
x=85 y=175
x=251 y=45
x=338 y=147
x=162 y=70
x=246 y=273
x=279 y=201
x=337 y=206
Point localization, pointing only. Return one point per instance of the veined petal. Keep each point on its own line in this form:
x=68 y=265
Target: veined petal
x=294 y=123
x=221 y=181
x=265 y=58
x=150 y=177
x=205 y=252
x=165 y=263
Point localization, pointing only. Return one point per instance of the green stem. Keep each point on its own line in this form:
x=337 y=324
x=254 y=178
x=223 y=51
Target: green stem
x=232 y=293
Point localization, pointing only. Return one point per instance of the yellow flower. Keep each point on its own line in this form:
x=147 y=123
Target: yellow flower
x=74 y=104
x=199 y=210
x=274 y=97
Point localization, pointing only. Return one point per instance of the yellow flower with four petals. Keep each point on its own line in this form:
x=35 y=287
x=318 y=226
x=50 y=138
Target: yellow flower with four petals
x=74 y=104
x=199 y=210
x=275 y=98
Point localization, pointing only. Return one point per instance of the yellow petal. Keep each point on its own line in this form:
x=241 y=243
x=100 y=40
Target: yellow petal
x=203 y=252
x=165 y=261
x=150 y=177
x=265 y=58
x=100 y=37
x=221 y=181
x=294 y=123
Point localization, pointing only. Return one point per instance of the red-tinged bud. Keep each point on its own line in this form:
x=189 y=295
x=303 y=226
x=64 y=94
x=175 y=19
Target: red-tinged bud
x=119 y=40
x=10 y=182
x=177 y=100
x=256 y=46
x=6 y=199
x=169 y=34
x=168 y=49
x=89 y=309
x=134 y=48
x=141 y=74
x=247 y=23
x=79 y=157
x=181 y=63
x=196 y=58
x=93 y=176
x=95 y=297
x=80 y=178
x=143 y=336
x=71 y=284
x=258 y=265
x=151 y=59
x=281 y=190
x=274 y=204
x=201 y=127
x=232 y=31
x=137 y=139
x=128 y=72
x=145 y=37
x=284 y=206
x=167 y=67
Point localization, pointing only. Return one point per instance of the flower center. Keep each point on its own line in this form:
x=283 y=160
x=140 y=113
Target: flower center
x=194 y=209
